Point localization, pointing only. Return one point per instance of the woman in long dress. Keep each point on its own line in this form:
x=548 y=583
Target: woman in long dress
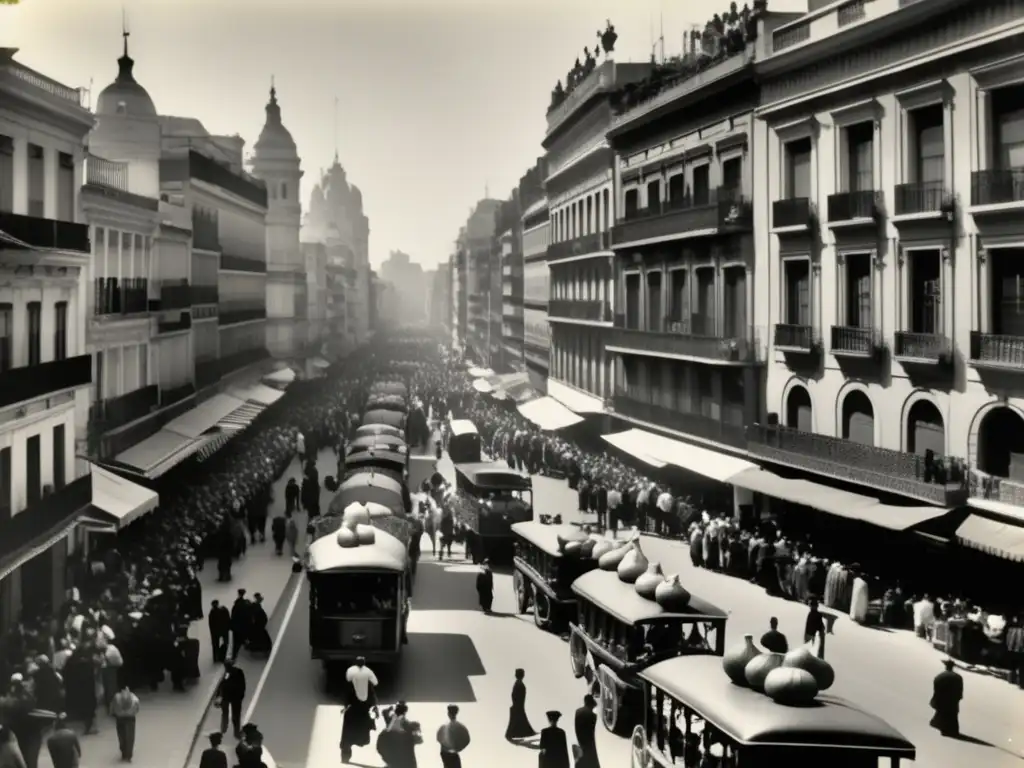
x=259 y=640
x=518 y=723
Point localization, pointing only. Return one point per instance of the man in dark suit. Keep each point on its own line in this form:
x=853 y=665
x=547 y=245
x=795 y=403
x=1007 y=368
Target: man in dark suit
x=554 y=747
x=230 y=694
x=241 y=618
x=585 y=725
x=220 y=631
x=212 y=756
x=947 y=693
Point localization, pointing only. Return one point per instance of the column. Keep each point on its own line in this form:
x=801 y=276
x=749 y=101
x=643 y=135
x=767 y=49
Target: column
x=20 y=167
x=50 y=183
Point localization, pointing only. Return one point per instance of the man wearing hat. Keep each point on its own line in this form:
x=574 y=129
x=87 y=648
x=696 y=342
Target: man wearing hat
x=586 y=724
x=947 y=693
x=554 y=747
x=212 y=756
x=240 y=621
x=230 y=694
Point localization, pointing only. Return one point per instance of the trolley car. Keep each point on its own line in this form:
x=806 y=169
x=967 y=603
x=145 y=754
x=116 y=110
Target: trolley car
x=543 y=575
x=367 y=486
x=463 y=442
x=381 y=416
x=377 y=443
x=618 y=634
x=489 y=499
x=394 y=463
x=387 y=403
x=382 y=430
x=692 y=709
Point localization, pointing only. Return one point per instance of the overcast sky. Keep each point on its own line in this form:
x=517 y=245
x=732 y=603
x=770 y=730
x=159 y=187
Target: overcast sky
x=439 y=101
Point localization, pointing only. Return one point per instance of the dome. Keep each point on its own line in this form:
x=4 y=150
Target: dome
x=275 y=136
x=125 y=96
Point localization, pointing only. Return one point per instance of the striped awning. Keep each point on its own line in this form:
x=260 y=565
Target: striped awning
x=212 y=444
x=241 y=417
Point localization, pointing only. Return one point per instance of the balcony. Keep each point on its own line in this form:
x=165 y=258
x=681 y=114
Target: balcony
x=677 y=216
x=680 y=341
x=242 y=184
x=997 y=187
x=173 y=395
x=226 y=364
x=120 y=296
x=204 y=294
x=644 y=406
x=229 y=316
x=922 y=348
x=884 y=469
x=854 y=207
x=998 y=352
x=34 y=381
x=183 y=323
x=37 y=232
x=794 y=338
x=850 y=341
x=921 y=197
x=595 y=311
x=110 y=179
x=595 y=242
x=242 y=263
x=114 y=412
x=792 y=213
x=175 y=295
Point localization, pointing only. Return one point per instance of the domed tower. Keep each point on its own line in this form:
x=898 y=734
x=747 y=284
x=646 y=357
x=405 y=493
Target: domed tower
x=128 y=128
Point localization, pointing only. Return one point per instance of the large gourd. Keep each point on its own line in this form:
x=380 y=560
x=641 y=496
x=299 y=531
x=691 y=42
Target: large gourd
x=601 y=548
x=802 y=658
x=633 y=564
x=573 y=535
x=366 y=534
x=791 y=685
x=648 y=581
x=735 y=660
x=347 y=538
x=610 y=560
x=356 y=513
x=757 y=669
x=671 y=595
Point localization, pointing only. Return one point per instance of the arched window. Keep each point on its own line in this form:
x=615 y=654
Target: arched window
x=1000 y=438
x=858 y=418
x=925 y=429
x=799 y=414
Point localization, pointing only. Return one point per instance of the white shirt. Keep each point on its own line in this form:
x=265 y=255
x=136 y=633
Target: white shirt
x=300 y=443
x=665 y=502
x=924 y=613
x=361 y=678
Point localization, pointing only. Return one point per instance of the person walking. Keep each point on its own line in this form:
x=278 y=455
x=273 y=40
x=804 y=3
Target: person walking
x=453 y=738
x=947 y=693
x=291 y=535
x=485 y=587
x=278 y=530
x=230 y=694
x=814 y=627
x=447 y=533
x=300 y=448
x=220 y=631
x=291 y=497
x=773 y=640
x=63 y=745
x=554 y=746
x=518 y=723
x=213 y=756
x=124 y=709
x=240 y=622
x=360 y=710
x=585 y=724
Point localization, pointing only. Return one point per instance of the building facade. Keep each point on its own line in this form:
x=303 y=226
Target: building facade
x=439 y=303
x=407 y=279
x=314 y=256
x=889 y=207
x=536 y=291
x=482 y=283
x=508 y=249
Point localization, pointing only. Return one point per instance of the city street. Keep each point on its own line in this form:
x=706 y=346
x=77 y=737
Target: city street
x=458 y=655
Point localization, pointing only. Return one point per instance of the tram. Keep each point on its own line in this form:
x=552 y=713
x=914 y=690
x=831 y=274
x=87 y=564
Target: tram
x=489 y=498
x=363 y=486
x=383 y=416
x=381 y=430
x=463 y=442
x=543 y=575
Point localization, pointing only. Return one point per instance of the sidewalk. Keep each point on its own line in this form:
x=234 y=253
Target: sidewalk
x=168 y=721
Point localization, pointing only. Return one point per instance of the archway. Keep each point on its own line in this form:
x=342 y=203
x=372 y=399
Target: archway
x=1000 y=442
x=858 y=418
x=926 y=430
x=799 y=413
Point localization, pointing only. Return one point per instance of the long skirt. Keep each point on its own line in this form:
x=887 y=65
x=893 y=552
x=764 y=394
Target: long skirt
x=260 y=641
x=356 y=725
x=518 y=724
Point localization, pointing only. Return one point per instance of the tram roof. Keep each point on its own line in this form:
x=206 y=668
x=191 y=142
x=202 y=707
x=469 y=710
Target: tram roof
x=606 y=591
x=462 y=427
x=544 y=537
x=380 y=442
x=379 y=429
x=381 y=416
x=378 y=457
x=387 y=403
x=386 y=553
x=753 y=719
x=389 y=388
x=494 y=476
x=367 y=478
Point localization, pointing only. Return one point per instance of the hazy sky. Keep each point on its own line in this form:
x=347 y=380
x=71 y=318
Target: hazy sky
x=438 y=100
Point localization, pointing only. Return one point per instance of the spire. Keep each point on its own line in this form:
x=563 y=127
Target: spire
x=273 y=108
x=125 y=63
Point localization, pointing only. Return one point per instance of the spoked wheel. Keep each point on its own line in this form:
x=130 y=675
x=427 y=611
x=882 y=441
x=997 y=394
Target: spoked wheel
x=522 y=595
x=541 y=609
x=610 y=699
x=577 y=654
x=638 y=748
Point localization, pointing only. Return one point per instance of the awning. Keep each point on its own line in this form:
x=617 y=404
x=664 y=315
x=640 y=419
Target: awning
x=210 y=444
x=631 y=442
x=549 y=414
x=204 y=416
x=51 y=519
x=998 y=507
x=240 y=418
x=257 y=393
x=573 y=399
x=481 y=385
x=703 y=461
x=1002 y=539
x=284 y=376
x=121 y=499
x=319 y=362
x=158 y=453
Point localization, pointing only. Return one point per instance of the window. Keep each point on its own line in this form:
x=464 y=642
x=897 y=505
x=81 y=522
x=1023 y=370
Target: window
x=797 y=292
x=284 y=191
x=6 y=174
x=925 y=291
x=703 y=321
x=732 y=176
x=857 y=303
x=860 y=157
x=631 y=202
x=928 y=145
x=1007 y=276
x=35 y=333
x=654 y=195
x=702 y=184
x=6 y=485
x=60 y=333
x=676 y=187
x=798 y=169
x=6 y=337
x=734 y=313
x=65 y=187
x=59 y=457
x=97 y=379
x=632 y=300
x=36 y=181
x=606 y=198
x=33 y=469
x=1008 y=127
x=655 y=317
x=679 y=299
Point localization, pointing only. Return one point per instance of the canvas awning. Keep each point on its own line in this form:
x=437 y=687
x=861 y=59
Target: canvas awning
x=481 y=385
x=257 y=393
x=573 y=399
x=703 y=461
x=158 y=453
x=210 y=444
x=998 y=507
x=204 y=416
x=119 y=498
x=549 y=414
x=1003 y=539
x=51 y=519
x=241 y=417
x=283 y=377
x=631 y=441
x=480 y=373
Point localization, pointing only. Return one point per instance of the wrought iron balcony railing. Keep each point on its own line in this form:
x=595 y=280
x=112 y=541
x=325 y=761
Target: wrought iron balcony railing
x=34 y=381
x=921 y=347
x=795 y=338
x=175 y=295
x=39 y=232
x=115 y=412
x=920 y=197
x=182 y=323
x=723 y=209
x=695 y=337
x=121 y=296
x=649 y=406
x=204 y=294
x=997 y=186
x=792 y=212
x=854 y=206
x=991 y=350
x=850 y=341
x=173 y=395
x=580 y=246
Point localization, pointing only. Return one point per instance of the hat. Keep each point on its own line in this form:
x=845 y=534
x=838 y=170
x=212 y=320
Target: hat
x=17 y=677
x=553 y=714
x=241 y=593
x=258 y=597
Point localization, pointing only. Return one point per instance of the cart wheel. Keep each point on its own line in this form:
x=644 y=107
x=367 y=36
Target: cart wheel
x=522 y=596
x=609 y=699
x=638 y=747
x=541 y=609
x=577 y=655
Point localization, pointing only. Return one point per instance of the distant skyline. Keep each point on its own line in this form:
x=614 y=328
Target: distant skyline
x=440 y=102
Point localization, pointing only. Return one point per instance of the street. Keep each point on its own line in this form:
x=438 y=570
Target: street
x=458 y=655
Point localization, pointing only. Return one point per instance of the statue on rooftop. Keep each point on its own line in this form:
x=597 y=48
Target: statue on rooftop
x=608 y=37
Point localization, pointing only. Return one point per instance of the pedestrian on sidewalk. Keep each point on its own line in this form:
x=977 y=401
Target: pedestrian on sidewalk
x=213 y=756
x=63 y=745
x=220 y=631
x=360 y=710
x=291 y=534
x=230 y=694
x=256 y=518
x=585 y=724
x=278 y=529
x=554 y=746
x=814 y=627
x=518 y=723
x=773 y=640
x=291 y=497
x=241 y=619
x=947 y=693
x=300 y=447
x=485 y=587
x=453 y=737
x=125 y=708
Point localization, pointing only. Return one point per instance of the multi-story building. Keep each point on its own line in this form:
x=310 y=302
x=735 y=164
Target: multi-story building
x=580 y=190
x=688 y=361
x=458 y=268
x=314 y=256
x=889 y=202
x=510 y=243
x=439 y=305
x=536 y=334
x=407 y=279
x=276 y=161
x=483 y=279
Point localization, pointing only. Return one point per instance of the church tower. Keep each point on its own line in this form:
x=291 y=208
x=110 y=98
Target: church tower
x=276 y=162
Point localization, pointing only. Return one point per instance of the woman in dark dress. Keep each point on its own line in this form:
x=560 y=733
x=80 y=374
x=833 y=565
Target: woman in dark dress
x=259 y=641
x=518 y=723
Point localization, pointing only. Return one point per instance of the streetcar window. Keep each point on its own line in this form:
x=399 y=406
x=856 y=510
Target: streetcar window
x=357 y=593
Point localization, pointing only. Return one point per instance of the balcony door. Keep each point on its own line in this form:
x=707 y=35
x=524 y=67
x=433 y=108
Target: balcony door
x=703 y=321
x=858 y=290
x=797 y=292
x=925 y=288
x=1007 y=305
x=35 y=333
x=798 y=169
x=632 y=299
x=33 y=469
x=36 y=181
x=6 y=174
x=65 y=187
x=734 y=314
x=679 y=300
x=655 y=311
x=1008 y=127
